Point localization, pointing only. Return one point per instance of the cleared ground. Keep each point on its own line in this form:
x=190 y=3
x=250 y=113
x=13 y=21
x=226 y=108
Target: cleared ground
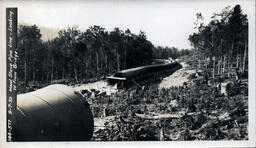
x=177 y=78
x=197 y=112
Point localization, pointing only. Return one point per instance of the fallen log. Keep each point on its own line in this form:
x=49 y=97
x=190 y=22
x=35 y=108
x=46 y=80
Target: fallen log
x=160 y=116
x=211 y=125
x=155 y=116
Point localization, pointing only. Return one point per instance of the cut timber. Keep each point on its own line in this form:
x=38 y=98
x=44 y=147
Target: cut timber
x=214 y=122
x=160 y=116
x=223 y=88
x=210 y=125
x=137 y=84
x=161 y=134
x=154 y=116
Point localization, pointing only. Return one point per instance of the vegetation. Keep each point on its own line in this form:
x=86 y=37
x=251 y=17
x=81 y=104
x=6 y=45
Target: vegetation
x=167 y=52
x=198 y=110
x=223 y=40
x=79 y=56
x=194 y=111
x=205 y=117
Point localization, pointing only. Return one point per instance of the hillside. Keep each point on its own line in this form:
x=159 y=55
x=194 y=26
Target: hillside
x=46 y=32
x=194 y=111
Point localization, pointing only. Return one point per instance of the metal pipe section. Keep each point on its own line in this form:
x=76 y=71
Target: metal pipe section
x=53 y=113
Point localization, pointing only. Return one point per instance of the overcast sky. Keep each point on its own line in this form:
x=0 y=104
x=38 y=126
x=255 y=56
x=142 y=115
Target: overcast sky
x=166 y=23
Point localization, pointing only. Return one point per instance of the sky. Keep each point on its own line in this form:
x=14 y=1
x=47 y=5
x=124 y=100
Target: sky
x=166 y=22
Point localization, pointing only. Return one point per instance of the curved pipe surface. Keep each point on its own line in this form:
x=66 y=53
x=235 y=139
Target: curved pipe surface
x=53 y=113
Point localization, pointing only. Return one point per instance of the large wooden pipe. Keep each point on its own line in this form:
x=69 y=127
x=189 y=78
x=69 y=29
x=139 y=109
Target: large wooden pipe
x=53 y=113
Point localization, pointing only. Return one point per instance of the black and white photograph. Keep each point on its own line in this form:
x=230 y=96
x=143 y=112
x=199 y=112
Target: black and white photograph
x=130 y=71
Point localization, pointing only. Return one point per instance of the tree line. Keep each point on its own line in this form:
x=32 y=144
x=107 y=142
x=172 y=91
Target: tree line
x=77 y=55
x=223 y=42
x=169 y=52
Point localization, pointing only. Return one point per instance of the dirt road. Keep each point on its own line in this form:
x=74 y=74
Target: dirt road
x=178 y=77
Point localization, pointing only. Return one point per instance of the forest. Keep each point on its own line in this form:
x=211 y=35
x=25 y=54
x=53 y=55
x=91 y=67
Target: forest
x=81 y=56
x=211 y=105
x=222 y=41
